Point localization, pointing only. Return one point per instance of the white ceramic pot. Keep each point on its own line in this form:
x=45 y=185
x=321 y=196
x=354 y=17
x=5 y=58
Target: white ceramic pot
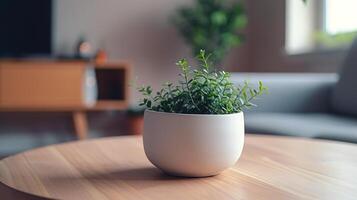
x=193 y=145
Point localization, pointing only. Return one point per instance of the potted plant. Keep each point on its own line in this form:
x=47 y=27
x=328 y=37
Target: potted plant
x=196 y=128
x=214 y=25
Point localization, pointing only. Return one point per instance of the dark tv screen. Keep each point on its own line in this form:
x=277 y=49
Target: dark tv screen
x=25 y=28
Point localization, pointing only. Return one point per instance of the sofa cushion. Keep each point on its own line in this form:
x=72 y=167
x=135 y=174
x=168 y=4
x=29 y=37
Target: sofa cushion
x=344 y=97
x=314 y=125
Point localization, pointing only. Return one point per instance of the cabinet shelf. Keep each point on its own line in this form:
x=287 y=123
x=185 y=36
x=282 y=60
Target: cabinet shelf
x=58 y=85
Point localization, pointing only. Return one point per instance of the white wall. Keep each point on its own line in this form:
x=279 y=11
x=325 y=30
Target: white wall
x=137 y=30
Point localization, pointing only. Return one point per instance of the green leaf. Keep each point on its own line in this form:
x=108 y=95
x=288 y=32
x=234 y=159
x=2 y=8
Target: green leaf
x=240 y=21
x=219 y=18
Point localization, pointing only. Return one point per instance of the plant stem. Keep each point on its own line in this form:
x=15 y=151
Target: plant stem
x=188 y=89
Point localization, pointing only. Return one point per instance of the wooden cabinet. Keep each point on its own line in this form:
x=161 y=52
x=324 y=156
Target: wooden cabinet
x=47 y=85
x=41 y=85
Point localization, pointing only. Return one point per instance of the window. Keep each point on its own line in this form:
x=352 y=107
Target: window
x=340 y=16
x=300 y=26
x=319 y=25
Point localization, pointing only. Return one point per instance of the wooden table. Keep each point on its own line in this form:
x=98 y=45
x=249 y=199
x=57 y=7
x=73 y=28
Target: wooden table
x=116 y=168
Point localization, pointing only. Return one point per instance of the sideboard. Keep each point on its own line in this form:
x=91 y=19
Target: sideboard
x=30 y=85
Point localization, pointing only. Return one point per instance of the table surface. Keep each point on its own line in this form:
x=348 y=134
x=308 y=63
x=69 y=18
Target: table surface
x=271 y=167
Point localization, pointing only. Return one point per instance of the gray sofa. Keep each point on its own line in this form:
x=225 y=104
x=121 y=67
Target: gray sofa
x=308 y=105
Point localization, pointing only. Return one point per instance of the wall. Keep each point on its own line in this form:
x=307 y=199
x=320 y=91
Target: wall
x=136 y=30
x=265 y=45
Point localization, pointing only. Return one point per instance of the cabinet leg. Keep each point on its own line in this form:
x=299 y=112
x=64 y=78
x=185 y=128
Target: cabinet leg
x=80 y=124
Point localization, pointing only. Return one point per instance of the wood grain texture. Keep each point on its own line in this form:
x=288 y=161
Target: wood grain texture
x=41 y=84
x=271 y=167
x=55 y=85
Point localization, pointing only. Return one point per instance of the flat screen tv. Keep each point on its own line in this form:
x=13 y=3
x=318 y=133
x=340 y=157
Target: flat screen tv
x=25 y=28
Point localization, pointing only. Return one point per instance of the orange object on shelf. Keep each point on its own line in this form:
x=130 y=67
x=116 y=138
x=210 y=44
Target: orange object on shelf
x=101 y=56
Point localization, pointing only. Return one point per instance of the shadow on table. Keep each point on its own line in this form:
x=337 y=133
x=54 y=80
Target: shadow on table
x=134 y=174
x=8 y=193
x=142 y=178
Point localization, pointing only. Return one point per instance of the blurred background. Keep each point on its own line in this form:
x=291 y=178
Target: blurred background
x=69 y=68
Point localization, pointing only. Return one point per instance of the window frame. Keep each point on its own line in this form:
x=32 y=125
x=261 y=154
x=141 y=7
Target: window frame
x=319 y=25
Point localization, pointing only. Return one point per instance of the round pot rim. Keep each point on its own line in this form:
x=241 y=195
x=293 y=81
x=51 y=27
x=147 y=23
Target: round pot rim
x=193 y=115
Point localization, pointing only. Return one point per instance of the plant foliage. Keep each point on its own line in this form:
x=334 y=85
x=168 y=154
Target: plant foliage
x=324 y=39
x=212 y=25
x=201 y=91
